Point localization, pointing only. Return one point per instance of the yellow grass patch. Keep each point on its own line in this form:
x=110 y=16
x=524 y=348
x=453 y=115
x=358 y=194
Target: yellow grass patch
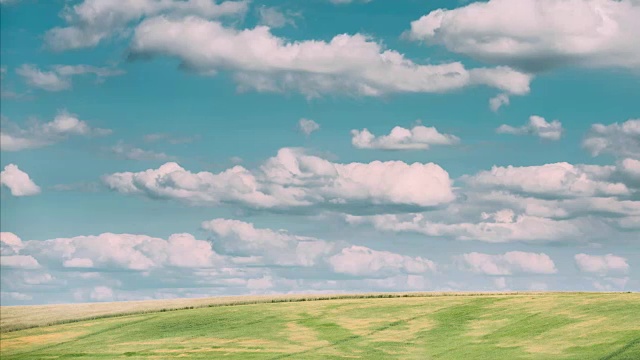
x=304 y=335
x=479 y=328
x=405 y=332
x=42 y=339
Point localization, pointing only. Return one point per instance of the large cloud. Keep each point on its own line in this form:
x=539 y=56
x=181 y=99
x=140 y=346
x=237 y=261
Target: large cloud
x=120 y=262
x=601 y=264
x=65 y=124
x=365 y=262
x=18 y=181
x=560 y=180
x=295 y=179
x=347 y=63
x=536 y=35
x=509 y=263
x=552 y=202
x=617 y=139
x=123 y=251
x=417 y=138
x=537 y=126
x=266 y=246
x=10 y=243
x=93 y=21
x=19 y=262
x=254 y=261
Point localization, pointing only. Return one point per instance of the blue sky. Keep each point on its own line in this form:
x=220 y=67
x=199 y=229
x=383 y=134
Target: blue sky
x=158 y=150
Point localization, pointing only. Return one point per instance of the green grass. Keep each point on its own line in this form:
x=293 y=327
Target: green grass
x=413 y=326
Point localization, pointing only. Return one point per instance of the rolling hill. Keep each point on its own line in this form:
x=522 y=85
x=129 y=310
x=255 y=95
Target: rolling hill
x=368 y=326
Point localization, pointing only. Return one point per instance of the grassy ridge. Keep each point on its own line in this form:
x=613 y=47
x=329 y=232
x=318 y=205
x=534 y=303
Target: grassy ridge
x=488 y=326
x=14 y=318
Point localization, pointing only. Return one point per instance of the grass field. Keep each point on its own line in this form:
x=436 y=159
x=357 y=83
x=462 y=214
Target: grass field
x=475 y=326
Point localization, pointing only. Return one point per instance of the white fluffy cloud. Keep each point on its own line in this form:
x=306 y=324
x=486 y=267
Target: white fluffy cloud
x=19 y=262
x=10 y=244
x=65 y=124
x=365 y=262
x=60 y=77
x=536 y=35
x=417 y=138
x=347 y=63
x=93 y=21
x=295 y=179
x=18 y=181
x=555 y=180
x=266 y=246
x=537 y=126
x=123 y=251
x=617 y=139
x=551 y=202
x=509 y=263
x=601 y=264
x=308 y=126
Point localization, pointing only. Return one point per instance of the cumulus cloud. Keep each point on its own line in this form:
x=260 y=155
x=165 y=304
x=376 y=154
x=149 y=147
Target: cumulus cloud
x=308 y=126
x=536 y=35
x=621 y=140
x=417 y=138
x=37 y=135
x=601 y=264
x=18 y=181
x=509 y=263
x=610 y=283
x=93 y=21
x=552 y=180
x=60 y=77
x=537 y=126
x=551 y=202
x=123 y=251
x=500 y=100
x=630 y=170
x=365 y=262
x=295 y=179
x=133 y=153
x=347 y=63
x=10 y=244
x=19 y=262
x=267 y=246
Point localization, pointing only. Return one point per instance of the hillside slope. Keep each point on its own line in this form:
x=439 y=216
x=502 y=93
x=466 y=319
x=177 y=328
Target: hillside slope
x=489 y=326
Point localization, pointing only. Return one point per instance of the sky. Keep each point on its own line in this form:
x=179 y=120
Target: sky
x=157 y=149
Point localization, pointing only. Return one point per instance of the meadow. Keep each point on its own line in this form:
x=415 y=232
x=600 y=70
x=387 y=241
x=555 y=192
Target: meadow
x=369 y=326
